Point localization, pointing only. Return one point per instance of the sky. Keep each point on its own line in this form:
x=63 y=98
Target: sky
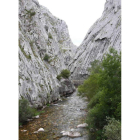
x=79 y=15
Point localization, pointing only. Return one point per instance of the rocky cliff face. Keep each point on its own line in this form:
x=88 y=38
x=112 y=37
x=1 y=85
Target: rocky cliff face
x=40 y=34
x=105 y=33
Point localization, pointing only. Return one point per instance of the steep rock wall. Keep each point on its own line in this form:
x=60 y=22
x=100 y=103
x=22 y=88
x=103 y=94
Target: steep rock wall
x=105 y=33
x=41 y=33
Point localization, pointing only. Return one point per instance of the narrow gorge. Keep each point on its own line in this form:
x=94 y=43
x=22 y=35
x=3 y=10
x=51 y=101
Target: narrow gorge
x=45 y=50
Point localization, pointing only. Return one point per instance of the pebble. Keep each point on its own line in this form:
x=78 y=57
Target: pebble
x=23 y=130
x=29 y=120
x=36 y=117
x=82 y=125
x=71 y=133
x=40 y=130
x=35 y=132
x=74 y=134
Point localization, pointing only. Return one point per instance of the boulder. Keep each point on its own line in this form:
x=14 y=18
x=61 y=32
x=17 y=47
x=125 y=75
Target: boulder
x=36 y=117
x=67 y=87
x=35 y=132
x=24 y=130
x=72 y=133
x=40 y=130
x=82 y=125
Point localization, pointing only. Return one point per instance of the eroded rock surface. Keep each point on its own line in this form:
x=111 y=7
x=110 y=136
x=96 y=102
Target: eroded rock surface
x=67 y=87
x=105 y=33
x=40 y=34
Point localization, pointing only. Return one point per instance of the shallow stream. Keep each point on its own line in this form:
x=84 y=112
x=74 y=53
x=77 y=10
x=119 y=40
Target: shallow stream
x=62 y=116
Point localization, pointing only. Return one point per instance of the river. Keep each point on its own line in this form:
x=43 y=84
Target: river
x=62 y=116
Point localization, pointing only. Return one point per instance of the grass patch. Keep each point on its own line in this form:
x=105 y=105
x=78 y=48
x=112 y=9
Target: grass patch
x=39 y=112
x=50 y=36
x=64 y=73
x=59 y=77
x=30 y=13
x=46 y=57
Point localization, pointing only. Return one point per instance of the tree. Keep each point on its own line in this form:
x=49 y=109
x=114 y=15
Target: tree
x=103 y=89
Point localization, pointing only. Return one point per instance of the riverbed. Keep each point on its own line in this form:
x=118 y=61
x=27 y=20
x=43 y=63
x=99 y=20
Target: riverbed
x=61 y=116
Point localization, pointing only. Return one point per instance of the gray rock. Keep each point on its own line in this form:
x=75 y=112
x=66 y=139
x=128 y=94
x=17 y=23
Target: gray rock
x=35 y=132
x=84 y=125
x=24 y=130
x=36 y=117
x=74 y=134
x=105 y=33
x=71 y=134
x=67 y=87
x=41 y=33
x=40 y=130
x=29 y=120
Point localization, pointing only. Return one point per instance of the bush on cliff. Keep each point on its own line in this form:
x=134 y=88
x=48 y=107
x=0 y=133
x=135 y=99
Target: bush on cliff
x=64 y=73
x=50 y=36
x=46 y=57
x=59 y=77
x=103 y=89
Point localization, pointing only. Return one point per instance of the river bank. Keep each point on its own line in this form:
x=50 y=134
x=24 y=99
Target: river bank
x=62 y=116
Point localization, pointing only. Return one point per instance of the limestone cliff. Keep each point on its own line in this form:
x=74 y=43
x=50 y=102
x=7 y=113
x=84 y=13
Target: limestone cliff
x=40 y=34
x=105 y=33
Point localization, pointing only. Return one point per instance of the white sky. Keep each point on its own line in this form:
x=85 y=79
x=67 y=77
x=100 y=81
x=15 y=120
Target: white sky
x=79 y=15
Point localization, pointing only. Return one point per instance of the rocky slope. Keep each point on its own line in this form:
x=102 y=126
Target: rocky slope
x=105 y=33
x=40 y=34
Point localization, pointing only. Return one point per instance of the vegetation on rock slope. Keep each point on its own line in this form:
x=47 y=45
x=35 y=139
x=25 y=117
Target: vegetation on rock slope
x=25 y=111
x=64 y=73
x=103 y=90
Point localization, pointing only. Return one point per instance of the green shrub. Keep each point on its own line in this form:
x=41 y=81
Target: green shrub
x=30 y=13
x=103 y=90
x=65 y=73
x=46 y=57
x=113 y=129
x=50 y=36
x=25 y=111
x=59 y=77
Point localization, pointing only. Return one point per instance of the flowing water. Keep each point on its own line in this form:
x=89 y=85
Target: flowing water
x=63 y=116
